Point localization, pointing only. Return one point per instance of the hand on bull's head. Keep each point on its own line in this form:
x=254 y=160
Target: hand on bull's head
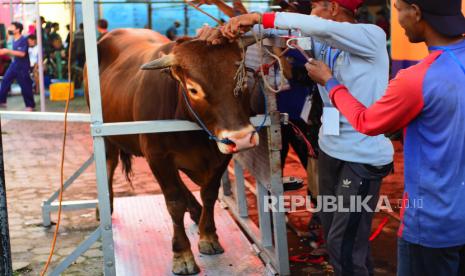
x=239 y=25
x=211 y=36
x=214 y=36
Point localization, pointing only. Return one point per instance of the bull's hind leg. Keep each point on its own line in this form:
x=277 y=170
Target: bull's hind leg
x=177 y=203
x=111 y=153
x=193 y=206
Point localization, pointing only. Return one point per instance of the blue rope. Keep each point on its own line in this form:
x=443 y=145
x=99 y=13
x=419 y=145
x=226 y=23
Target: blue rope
x=211 y=136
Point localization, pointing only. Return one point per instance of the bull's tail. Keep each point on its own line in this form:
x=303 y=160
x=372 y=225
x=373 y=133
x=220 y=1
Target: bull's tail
x=126 y=161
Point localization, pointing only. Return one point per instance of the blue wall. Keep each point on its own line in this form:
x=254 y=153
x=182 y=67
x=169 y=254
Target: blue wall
x=134 y=15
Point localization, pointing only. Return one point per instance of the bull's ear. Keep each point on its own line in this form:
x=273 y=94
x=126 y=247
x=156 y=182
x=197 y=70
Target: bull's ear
x=160 y=63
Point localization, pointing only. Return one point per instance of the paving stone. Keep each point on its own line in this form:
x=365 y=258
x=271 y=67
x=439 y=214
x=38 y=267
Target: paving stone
x=41 y=250
x=96 y=245
x=19 y=234
x=39 y=259
x=20 y=265
x=20 y=248
x=66 y=251
x=21 y=242
x=93 y=253
x=37 y=235
x=33 y=222
x=80 y=260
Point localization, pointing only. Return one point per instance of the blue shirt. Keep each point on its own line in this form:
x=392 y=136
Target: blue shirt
x=435 y=157
x=21 y=45
x=291 y=101
x=428 y=99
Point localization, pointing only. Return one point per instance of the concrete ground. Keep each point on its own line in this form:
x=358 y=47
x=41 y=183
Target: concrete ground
x=32 y=155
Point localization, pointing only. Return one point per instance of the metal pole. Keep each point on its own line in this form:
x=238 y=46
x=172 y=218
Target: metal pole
x=40 y=58
x=186 y=19
x=90 y=40
x=11 y=11
x=149 y=13
x=5 y=250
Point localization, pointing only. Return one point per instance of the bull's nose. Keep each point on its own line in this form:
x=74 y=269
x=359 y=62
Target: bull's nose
x=244 y=142
x=240 y=140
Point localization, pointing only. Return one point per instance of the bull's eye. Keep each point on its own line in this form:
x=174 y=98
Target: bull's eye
x=193 y=91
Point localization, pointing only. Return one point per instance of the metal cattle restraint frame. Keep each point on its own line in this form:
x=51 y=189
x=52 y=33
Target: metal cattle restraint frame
x=263 y=163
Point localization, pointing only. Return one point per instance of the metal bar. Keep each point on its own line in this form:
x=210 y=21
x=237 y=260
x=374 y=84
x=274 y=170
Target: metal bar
x=83 y=247
x=247 y=225
x=133 y=127
x=45 y=116
x=40 y=65
x=280 y=239
x=226 y=183
x=71 y=179
x=125 y=128
x=264 y=219
x=241 y=199
x=11 y=11
x=72 y=205
x=279 y=217
x=5 y=248
x=104 y=206
x=90 y=40
x=46 y=221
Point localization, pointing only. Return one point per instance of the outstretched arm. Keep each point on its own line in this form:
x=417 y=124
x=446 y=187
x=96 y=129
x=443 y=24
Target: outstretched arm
x=14 y=53
x=402 y=102
x=358 y=39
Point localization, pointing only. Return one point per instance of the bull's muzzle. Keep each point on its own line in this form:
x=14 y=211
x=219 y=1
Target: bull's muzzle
x=242 y=139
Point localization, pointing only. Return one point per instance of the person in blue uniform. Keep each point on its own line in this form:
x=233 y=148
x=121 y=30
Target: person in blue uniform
x=19 y=68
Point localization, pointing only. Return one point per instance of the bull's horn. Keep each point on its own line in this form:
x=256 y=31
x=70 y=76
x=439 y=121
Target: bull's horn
x=247 y=40
x=160 y=63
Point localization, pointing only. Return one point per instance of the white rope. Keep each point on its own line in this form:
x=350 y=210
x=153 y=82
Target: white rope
x=278 y=60
x=241 y=74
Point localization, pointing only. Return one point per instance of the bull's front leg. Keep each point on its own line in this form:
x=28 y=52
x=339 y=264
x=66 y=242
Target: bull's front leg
x=176 y=202
x=183 y=259
x=208 y=241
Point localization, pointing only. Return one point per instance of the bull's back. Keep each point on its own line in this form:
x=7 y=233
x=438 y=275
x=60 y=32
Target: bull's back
x=128 y=93
x=121 y=53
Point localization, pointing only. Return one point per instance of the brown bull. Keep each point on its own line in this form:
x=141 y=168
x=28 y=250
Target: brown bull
x=131 y=94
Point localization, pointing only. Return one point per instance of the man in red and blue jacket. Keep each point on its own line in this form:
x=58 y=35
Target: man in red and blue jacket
x=427 y=101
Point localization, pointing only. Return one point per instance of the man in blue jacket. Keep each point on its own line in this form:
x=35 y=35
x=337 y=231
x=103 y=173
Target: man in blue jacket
x=19 y=68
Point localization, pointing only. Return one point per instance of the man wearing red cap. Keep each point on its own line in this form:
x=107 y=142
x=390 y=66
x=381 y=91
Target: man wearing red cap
x=351 y=164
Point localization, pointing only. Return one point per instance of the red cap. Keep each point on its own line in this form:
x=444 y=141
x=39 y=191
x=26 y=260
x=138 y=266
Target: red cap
x=350 y=4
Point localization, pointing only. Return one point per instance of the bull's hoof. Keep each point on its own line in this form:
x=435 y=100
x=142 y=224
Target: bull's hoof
x=210 y=246
x=184 y=263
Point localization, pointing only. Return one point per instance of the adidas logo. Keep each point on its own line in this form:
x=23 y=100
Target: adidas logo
x=346 y=183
